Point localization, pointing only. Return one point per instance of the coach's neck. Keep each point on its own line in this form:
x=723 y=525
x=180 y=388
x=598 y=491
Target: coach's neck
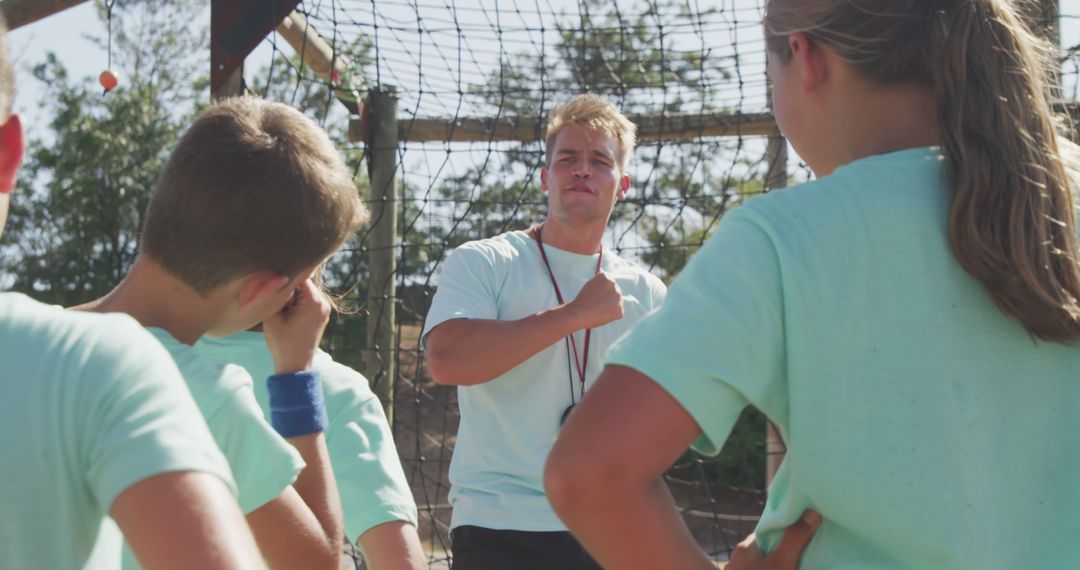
x=584 y=239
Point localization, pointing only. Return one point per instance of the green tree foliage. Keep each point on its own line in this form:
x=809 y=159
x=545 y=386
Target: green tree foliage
x=680 y=190
x=74 y=222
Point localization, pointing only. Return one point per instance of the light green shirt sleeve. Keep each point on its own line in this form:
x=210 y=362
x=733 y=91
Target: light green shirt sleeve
x=140 y=420
x=468 y=287
x=368 y=470
x=91 y=406
x=717 y=342
x=365 y=461
x=263 y=463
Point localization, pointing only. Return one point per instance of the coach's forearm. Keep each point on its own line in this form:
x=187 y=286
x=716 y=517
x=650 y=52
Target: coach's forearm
x=465 y=352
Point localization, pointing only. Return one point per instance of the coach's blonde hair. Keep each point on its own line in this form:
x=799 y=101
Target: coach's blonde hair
x=1012 y=218
x=251 y=186
x=596 y=113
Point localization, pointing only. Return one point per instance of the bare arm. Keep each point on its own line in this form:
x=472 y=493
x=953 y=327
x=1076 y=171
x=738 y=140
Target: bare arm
x=603 y=476
x=204 y=527
x=290 y=536
x=465 y=352
x=293 y=337
x=318 y=488
x=393 y=546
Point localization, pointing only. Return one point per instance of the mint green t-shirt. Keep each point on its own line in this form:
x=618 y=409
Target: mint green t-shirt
x=262 y=462
x=91 y=405
x=929 y=429
x=509 y=424
x=369 y=476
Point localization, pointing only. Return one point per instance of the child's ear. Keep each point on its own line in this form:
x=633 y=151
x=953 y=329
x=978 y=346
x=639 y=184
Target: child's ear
x=12 y=147
x=810 y=58
x=258 y=286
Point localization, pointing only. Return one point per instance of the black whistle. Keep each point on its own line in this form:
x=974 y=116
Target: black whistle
x=566 y=414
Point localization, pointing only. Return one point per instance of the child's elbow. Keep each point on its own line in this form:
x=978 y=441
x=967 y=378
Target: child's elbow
x=330 y=557
x=572 y=482
x=559 y=485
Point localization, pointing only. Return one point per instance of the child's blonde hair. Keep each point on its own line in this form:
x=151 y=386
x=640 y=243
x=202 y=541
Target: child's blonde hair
x=596 y=113
x=251 y=186
x=1012 y=219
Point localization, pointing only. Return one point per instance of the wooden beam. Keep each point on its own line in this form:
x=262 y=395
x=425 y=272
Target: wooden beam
x=236 y=27
x=658 y=127
x=318 y=54
x=232 y=87
x=19 y=13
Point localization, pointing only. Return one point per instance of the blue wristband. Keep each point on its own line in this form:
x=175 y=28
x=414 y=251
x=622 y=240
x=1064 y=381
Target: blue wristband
x=296 y=403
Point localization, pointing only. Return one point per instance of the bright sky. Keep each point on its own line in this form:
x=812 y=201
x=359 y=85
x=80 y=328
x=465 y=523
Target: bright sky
x=29 y=45
x=64 y=33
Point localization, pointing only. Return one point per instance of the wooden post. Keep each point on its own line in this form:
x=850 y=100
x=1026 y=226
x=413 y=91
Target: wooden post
x=380 y=113
x=233 y=87
x=236 y=27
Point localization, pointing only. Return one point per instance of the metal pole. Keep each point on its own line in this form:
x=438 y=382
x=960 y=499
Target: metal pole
x=382 y=141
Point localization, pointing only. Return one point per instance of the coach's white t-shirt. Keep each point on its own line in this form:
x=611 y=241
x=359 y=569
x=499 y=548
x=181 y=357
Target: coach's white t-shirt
x=509 y=424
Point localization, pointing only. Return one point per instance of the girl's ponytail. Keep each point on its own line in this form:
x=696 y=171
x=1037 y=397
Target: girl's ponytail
x=1012 y=218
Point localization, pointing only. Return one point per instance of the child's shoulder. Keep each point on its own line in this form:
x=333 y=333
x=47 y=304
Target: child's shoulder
x=106 y=363
x=31 y=329
x=872 y=185
x=211 y=383
x=341 y=381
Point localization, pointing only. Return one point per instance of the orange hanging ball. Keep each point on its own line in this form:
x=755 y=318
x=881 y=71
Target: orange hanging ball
x=108 y=80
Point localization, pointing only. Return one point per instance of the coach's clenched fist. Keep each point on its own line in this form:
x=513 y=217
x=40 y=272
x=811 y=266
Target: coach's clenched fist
x=599 y=302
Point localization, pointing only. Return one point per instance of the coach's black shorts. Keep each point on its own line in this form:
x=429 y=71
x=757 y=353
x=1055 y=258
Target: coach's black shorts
x=478 y=548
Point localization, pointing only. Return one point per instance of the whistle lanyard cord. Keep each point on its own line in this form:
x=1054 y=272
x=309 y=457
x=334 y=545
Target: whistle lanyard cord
x=583 y=365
